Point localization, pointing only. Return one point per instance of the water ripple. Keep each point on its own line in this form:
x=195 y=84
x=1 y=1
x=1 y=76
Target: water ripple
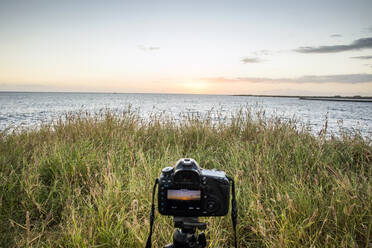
x=32 y=109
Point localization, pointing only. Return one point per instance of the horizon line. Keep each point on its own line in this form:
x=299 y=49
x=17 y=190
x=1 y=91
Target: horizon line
x=158 y=93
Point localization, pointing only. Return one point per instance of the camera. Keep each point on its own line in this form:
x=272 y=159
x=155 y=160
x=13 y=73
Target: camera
x=187 y=190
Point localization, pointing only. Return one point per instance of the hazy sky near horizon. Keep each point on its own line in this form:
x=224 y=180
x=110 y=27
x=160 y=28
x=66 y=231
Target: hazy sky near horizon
x=213 y=47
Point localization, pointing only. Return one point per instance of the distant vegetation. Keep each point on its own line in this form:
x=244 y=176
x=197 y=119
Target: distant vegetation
x=336 y=96
x=322 y=98
x=86 y=181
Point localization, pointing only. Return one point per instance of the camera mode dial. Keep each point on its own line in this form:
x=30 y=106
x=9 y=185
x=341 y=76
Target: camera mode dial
x=167 y=171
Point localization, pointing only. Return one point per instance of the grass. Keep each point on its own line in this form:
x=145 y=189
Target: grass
x=86 y=181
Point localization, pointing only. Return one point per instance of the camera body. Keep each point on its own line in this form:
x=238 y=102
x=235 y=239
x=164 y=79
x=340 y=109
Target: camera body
x=186 y=190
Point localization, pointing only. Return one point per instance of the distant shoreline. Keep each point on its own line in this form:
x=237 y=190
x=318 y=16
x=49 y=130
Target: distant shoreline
x=313 y=98
x=321 y=98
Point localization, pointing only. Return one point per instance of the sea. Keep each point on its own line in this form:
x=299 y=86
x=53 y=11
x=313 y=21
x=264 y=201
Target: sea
x=20 y=110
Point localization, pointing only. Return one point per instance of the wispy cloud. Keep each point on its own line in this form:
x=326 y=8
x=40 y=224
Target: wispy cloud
x=341 y=78
x=336 y=35
x=248 y=60
x=149 y=48
x=263 y=52
x=362 y=57
x=359 y=44
x=256 y=56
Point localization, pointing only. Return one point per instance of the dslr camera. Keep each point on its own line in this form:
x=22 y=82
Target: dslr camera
x=187 y=190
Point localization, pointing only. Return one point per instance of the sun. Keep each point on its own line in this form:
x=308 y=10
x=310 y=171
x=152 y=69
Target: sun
x=195 y=87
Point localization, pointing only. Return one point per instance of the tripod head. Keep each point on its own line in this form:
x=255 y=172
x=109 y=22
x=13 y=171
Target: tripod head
x=186 y=235
x=187 y=223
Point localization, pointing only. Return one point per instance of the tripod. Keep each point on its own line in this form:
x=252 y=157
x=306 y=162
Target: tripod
x=186 y=236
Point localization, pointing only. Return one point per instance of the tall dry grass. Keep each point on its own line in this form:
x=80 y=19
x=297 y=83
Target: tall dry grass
x=86 y=181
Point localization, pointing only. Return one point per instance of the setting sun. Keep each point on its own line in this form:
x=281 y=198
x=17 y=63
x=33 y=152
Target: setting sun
x=196 y=87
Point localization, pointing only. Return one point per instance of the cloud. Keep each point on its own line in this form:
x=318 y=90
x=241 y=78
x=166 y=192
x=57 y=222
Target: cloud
x=335 y=35
x=341 y=78
x=263 y=52
x=370 y=29
x=257 y=56
x=144 y=48
x=362 y=57
x=363 y=43
x=248 y=60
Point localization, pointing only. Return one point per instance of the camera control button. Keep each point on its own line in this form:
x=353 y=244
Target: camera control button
x=211 y=205
x=223 y=181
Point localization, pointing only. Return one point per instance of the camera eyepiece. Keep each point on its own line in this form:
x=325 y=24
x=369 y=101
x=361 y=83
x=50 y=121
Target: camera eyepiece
x=187 y=171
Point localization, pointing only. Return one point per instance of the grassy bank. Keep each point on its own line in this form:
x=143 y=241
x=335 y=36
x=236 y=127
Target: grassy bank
x=87 y=181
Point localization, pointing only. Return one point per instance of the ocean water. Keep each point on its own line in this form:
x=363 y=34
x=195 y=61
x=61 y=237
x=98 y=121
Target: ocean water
x=20 y=109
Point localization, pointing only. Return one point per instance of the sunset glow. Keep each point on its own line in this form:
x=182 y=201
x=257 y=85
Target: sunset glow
x=197 y=47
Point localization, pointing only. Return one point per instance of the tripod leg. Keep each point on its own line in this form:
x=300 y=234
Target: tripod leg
x=202 y=241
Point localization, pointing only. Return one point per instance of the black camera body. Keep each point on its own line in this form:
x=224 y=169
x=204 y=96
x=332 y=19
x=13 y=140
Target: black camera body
x=186 y=190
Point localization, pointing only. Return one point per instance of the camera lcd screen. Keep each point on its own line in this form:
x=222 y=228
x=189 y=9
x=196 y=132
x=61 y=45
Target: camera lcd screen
x=184 y=195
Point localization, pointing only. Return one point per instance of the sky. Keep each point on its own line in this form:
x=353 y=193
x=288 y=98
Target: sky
x=187 y=46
